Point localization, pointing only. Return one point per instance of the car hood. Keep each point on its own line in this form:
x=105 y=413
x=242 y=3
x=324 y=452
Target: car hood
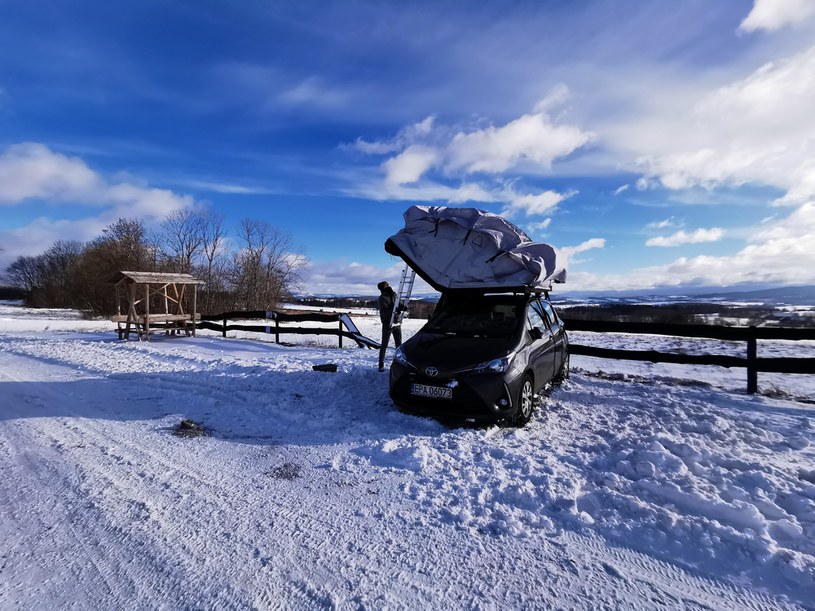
x=451 y=353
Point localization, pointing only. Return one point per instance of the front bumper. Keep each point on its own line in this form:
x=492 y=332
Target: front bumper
x=484 y=397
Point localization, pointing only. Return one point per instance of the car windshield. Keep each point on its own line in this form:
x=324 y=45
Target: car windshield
x=493 y=315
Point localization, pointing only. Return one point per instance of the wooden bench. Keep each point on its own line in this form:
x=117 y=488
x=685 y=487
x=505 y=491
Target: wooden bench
x=150 y=323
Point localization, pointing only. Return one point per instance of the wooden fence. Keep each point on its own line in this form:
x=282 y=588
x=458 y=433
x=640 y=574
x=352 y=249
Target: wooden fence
x=277 y=323
x=752 y=362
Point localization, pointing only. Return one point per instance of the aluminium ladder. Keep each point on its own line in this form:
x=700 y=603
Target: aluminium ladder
x=403 y=298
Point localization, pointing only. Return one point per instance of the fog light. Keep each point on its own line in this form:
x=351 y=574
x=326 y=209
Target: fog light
x=502 y=402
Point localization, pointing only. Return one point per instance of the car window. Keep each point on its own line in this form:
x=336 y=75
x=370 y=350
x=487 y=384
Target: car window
x=535 y=318
x=536 y=304
x=550 y=313
x=487 y=315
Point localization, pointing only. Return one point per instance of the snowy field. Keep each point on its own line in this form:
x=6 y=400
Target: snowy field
x=635 y=485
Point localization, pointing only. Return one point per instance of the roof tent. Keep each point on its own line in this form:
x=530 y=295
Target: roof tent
x=467 y=248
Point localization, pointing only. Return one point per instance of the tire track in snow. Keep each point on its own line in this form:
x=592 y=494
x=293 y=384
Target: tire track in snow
x=109 y=488
x=110 y=481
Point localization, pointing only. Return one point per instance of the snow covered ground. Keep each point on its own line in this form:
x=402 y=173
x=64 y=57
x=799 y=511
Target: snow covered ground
x=633 y=487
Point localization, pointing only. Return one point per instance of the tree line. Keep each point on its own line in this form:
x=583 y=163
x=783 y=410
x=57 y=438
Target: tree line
x=255 y=268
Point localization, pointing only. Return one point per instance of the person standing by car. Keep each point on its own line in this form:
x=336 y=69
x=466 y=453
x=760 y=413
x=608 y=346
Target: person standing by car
x=387 y=303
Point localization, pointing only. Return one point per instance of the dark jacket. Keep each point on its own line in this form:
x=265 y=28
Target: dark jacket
x=386 y=302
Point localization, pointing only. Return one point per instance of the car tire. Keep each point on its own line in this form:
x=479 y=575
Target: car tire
x=526 y=401
x=563 y=374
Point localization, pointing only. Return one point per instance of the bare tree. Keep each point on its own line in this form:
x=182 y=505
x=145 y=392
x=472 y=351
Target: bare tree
x=182 y=238
x=265 y=268
x=58 y=274
x=214 y=262
x=123 y=246
x=24 y=272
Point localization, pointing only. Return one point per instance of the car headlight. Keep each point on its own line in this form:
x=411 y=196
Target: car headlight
x=400 y=357
x=494 y=366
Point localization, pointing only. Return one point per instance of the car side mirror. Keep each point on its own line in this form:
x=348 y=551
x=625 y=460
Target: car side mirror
x=536 y=333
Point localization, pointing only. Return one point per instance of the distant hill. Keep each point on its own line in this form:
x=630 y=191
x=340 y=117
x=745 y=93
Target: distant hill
x=792 y=295
x=797 y=295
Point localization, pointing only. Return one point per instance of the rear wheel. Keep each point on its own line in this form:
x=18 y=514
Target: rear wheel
x=526 y=397
x=563 y=374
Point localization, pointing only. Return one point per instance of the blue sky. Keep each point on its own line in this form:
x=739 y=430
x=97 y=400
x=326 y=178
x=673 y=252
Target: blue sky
x=653 y=143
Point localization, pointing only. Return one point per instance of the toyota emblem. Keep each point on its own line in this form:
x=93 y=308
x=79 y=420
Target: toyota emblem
x=432 y=372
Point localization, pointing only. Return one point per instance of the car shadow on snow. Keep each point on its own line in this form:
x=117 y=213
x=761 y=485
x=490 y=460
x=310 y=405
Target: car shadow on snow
x=239 y=402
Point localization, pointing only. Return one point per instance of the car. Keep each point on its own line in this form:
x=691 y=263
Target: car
x=482 y=357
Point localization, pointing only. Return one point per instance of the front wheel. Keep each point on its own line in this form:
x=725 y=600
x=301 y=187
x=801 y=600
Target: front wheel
x=526 y=397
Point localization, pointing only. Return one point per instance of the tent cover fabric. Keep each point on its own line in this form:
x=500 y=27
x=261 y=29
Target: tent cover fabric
x=466 y=248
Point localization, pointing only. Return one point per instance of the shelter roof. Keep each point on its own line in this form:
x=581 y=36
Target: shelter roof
x=155 y=278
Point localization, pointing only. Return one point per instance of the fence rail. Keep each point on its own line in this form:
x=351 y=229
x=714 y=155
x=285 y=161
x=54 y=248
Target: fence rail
x=345 y=327
x=751 y=362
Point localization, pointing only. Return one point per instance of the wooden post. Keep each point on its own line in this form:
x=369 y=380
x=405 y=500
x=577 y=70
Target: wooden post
x=752 y=372
x=339 y=334
x=132 y=317
x=147 y=312
x=194 y=307
x=224 y=325
x=276 y=330
x=118 y=310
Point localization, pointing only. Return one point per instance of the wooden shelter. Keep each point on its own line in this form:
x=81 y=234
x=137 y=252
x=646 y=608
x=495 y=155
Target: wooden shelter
x=152 y=301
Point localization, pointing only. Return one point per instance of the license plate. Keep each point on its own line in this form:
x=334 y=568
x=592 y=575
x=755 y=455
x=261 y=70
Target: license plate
x=435 y=392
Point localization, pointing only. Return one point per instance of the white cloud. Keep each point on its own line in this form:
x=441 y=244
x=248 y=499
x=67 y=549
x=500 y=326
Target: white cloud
x=670 y=222
x=540 y=226
x=533 y=204
x=803 y=188
x=34 y=238
x=422 y=192
x=409 y=166
x=682 y=237
x=799 y=225
x=323 y=278
x=32 y=171
x=530 y=138
x=759 y=130
x=557 y=97
x=462 y=193
x=756 y=130
x=571 y=251
x=407 y=136
x=773 y=15
x=427 y=160
x=622 y=189
x=314 y=92
x=229 y=189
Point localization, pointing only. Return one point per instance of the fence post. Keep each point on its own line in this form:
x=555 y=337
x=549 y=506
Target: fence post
x=276 y=330
x=340 y=332
x=224 y=331
x=752 y=372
